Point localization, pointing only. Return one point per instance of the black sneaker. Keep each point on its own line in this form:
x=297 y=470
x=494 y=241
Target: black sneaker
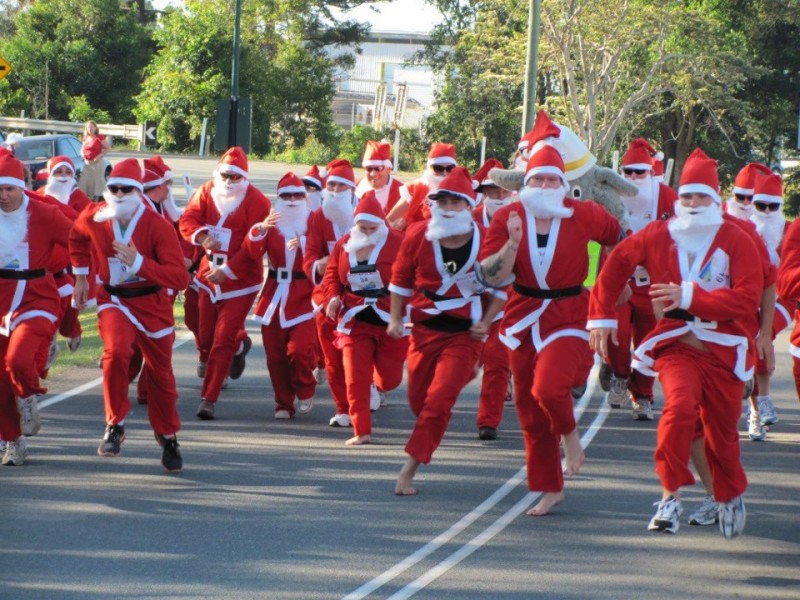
x=487 y=433
x=171 y=458
x=112 y=441
x=238 y=362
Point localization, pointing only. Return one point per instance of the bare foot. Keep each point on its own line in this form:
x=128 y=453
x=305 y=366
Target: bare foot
x=357 y=440
x=573 y=453
x=403 y=486
x=548 y=501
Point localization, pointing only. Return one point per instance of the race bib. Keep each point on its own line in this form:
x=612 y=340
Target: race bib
x=222 y=235
x=120 y=273
x=468 y=284
x=365 y=281
x=641 y=276
x=18 y=260
x=716 y=273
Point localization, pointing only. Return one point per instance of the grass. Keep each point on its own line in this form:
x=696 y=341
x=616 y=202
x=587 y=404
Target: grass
x=91 y=344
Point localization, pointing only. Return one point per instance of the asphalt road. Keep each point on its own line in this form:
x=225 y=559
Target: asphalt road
x=283 y=510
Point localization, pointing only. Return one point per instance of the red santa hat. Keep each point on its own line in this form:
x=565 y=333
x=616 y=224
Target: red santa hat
x=768 y=188
x=291 y=184
x=11 y=171
x=233 y=161
x=457 y=183
x=546 y=161
x=442 y=154
x=312 y=177
x=481 y=176
x=639 y=155
x=544 y=131
x=377 y=154
x=700 y=176
x=60 y=161
x=745 y=181
x=154 y=172
x=658 y=167
x=126 y=172
x=340 y=170
x=369 y=209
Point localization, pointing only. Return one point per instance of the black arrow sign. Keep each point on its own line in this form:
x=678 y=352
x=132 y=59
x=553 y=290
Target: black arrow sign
x=2 y=67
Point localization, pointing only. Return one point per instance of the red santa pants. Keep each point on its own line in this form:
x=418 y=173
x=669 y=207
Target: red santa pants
x=635 y=320
x=494 y=386
x=370 y=354
x=542 y=392
x=191 y=316
x=439 y=366
x=291 y=358
x=120 y=337
x=696 y=384
x=69 y=325
x=221 y=333
x=19 y=376
x=334 y=364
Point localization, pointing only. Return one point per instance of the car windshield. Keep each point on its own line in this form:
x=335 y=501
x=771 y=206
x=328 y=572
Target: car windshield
x=34 y=149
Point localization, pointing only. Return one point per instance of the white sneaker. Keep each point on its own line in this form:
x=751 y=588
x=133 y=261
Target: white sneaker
x=282 y=415
x=755 y=429
x=16 y=452
x=340 y=420
x=732 y=516
x=618 y=394
x=707 y=513
x=29 y=419
x=374 y=398
x=642 y=409
x=766 y=411
x=667 y=517
x=53 y=352
x=382 y=396
x=304 y=406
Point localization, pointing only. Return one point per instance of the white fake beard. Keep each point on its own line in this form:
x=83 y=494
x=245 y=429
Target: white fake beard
x=691 y=227
x=227 y=196
x=121 y=209
x=432 y=180
x=447 y=223
x=13 y=231
x=60 y=188
x=545 y=203
x=732 y=207
x=358 y=239
x=338 y=208
x=770 y=227
x=643 y=200
x=493 y=205
x=520 y=164
x=294 y=217
x=314 y=200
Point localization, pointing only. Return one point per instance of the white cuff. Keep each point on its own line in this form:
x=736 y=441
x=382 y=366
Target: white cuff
x=400 y=291
x=198 y=232
x=687 y=291
x=601 y=323
x=256 y=237
x=80 y=270
x=137 y=264
x=314 y=275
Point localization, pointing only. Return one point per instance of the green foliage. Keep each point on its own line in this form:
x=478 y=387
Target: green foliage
x=312 y=152
x=81 y=111
x=791 y=193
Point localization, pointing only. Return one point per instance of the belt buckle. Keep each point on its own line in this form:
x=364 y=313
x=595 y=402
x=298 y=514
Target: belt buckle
x=218 y=260
x=698 y=322
x=284 y=275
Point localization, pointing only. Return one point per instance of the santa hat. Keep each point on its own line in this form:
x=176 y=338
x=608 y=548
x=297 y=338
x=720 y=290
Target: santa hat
x=377 y=154
x=745 y=181
x=233 y=161
x=639 y=155
x=369 y=209
x=312 y=177
x=291 y=184
x=543 y=131
x=658 y=167
x=457 y=183
x=768 y=188
x=340 y=170
x=481 y=176
x=155 y=172
x=60 y=161
x=578 y=159
x=545 y=161
x=11 y=171
x=442 y=154
x=126 y=172
x=700 y=176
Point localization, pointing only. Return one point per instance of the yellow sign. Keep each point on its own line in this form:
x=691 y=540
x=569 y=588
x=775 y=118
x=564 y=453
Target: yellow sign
x=5 y=68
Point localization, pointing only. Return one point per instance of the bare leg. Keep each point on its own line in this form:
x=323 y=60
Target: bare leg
x=548 y=501
x=573 y=453
x=403 y=486
x=701 y=465
x=762 y=382
x=357 y=440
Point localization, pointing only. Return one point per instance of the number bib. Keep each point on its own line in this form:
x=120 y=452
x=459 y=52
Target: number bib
x=119 y=272
x=366 y=280
x=18 y=261
x=468 y=284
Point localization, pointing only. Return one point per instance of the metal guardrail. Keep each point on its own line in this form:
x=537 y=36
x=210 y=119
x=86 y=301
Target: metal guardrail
x=128 y=132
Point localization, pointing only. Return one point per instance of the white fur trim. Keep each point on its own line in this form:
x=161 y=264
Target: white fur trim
x=472 y=201
x=125 y=181
x=687 y=291
x=545 y=170
x=313 y=180
x=405 y=292
x=12 y=181
x=602 y=323
x=643 y=166
x=80 y=270
x=292 y=189
x=767 y=198
x=63 y=163
x=367 y=217
x=228 y=168
x=137 y=264
x=377 y=163
x=442 y=160
x=700 y=188
x=743 y=191
x=352 y=184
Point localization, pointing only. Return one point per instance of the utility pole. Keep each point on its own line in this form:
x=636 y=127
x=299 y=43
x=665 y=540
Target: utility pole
x=237 y=24
x=529 y=106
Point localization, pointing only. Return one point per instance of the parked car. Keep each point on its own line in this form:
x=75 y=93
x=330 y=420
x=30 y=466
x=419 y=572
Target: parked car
x=35 y=150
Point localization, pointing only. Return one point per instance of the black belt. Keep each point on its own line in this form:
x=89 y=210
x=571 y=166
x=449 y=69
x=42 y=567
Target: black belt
x=274 y=274
x=26 y=274
x=436 y=297
x=132 y=292
x=379 y=293
x=60 y=274
x=679 y=314
x=548 y=294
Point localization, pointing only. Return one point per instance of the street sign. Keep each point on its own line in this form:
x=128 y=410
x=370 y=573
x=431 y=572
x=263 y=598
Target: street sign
x=5 y=68
x=150 y=130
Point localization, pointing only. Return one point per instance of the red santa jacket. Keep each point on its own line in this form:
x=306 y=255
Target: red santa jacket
x=27 y=286
x=201 y=215
x=287 y=289
x=418 y=209
x=721 y=290
x=321 y=237
x=158 y=267
x=419 y=274
x=361 y=286
x=59 y=260
x=788 y=280
x=547 y=297
x=388 y=197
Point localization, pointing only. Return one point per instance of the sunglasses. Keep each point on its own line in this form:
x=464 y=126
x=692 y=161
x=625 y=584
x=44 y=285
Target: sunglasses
x=634 y=171
x=439 y=169
x=230 y=176
x=125 y=189
x=767 y=206
x=742 y=198
x=293 y=196
x=374 y=169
